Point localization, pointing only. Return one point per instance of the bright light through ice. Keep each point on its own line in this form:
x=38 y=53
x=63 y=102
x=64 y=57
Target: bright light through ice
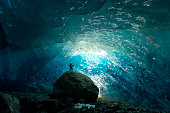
x=92 y=52
x=88 y=48
x=102 y=81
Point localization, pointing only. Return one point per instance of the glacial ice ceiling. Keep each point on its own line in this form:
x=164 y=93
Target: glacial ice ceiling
x=123 y=45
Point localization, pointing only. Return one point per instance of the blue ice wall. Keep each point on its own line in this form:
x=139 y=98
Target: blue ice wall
x=123 y=45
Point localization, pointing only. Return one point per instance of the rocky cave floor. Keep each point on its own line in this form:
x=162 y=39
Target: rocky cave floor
x=19 y=102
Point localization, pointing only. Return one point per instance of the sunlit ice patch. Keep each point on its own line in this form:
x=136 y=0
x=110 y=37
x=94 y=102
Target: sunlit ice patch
x=99 y=63
x=90 y=54
x=88 y=48
x=104 y=69
x=91 y=64
x=94 y=66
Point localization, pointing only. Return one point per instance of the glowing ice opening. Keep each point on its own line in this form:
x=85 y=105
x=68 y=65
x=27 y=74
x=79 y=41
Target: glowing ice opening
x=93 y=52
x=86 y=48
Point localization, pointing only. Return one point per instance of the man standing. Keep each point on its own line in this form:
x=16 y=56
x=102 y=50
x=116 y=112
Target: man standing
x=71 y=67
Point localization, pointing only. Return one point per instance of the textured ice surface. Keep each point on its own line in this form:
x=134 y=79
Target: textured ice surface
x=123 y=45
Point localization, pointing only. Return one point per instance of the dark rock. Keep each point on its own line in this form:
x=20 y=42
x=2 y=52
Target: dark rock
x=82 y=101
x=96 y=112
x=84 y=109
x=37 y=103
x=42 y=103
x=109 y=111
x=77 y=86
x=88 y=112
x=69 y=100
x=99 y=109
x=91 y=109
x=50 y=105
x=121 y=111
x=130 y=109
x=114 y=106
x=8 y=104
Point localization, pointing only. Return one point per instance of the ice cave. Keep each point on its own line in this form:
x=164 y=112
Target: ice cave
x=122 y=45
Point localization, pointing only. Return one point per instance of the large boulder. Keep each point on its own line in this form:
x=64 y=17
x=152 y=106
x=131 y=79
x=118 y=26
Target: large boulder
x=77 y=86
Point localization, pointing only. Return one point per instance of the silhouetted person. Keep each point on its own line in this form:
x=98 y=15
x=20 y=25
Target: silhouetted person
x=71 y=67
